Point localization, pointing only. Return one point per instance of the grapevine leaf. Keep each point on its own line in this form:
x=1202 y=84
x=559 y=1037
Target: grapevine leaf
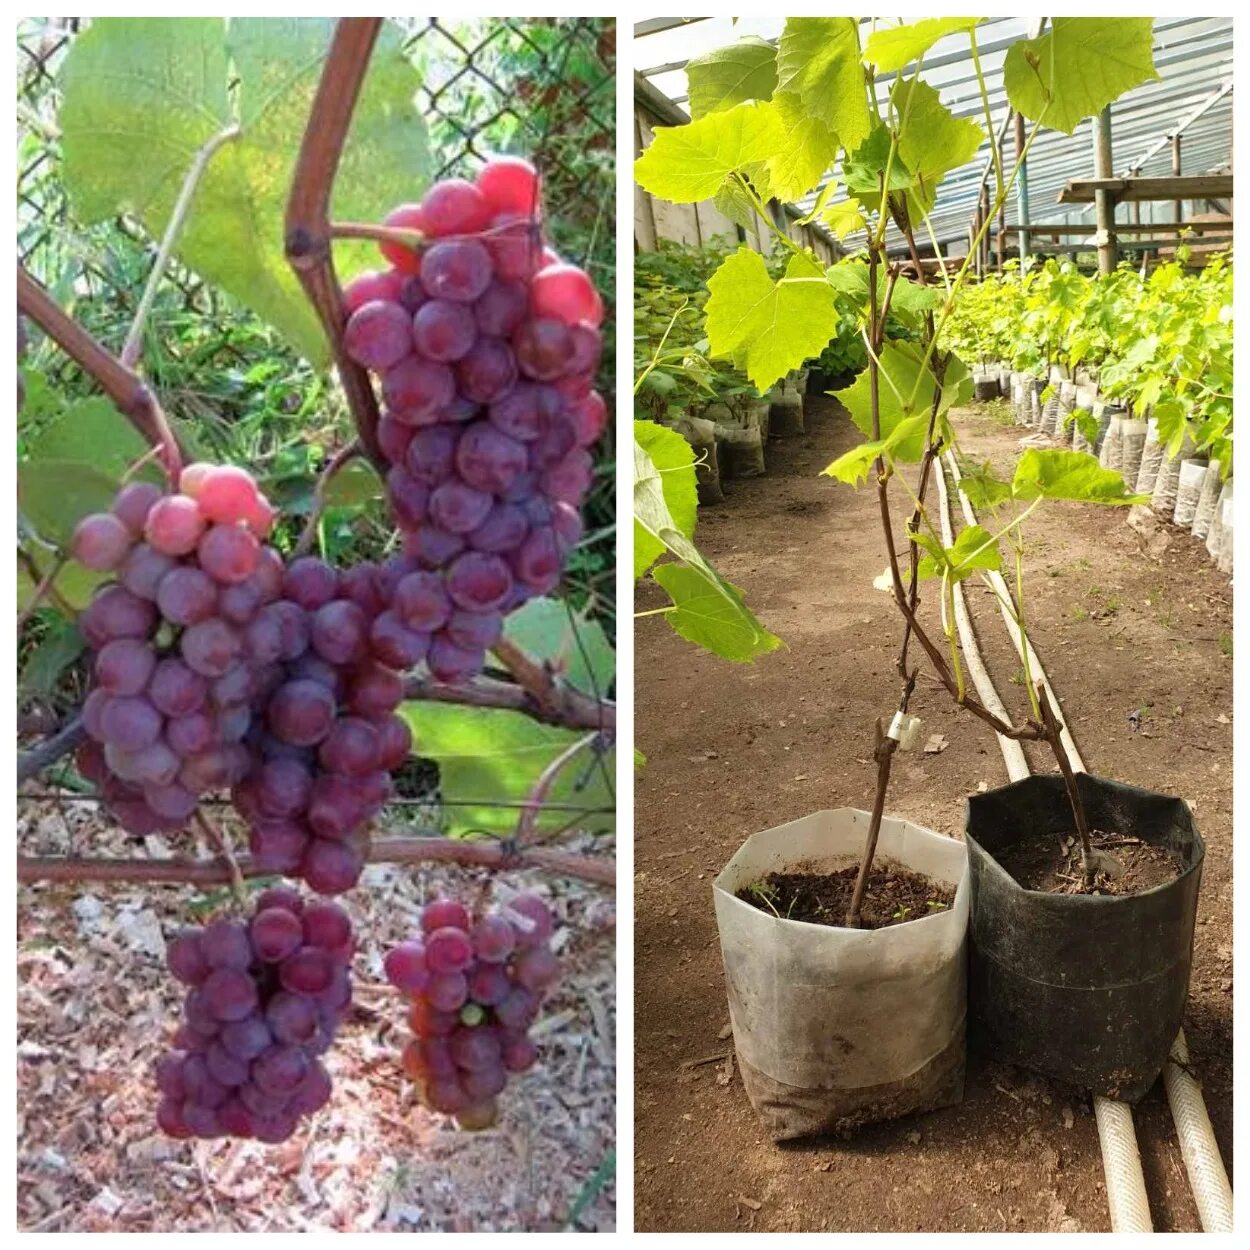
x=689 y=163
x=91 y=430
x=932 y=141
x=1078 y=67
x=974 y=549
x=1084 y=421
x=142 y=97
x=58 y=648
x=845 y=217
x=735 y=203
x=746 y=70
x=906 y=444
x=906 y=389
x=576 y=648
x=713 y=615
x=1072 y=475
x=866 y=166
x=983 y=488
x=808 y=150
x=75 y=583
x=854 y=466
x=55 y=495
x=771 y=327
x=673 y=459
x=896 y=46
x=818 y=61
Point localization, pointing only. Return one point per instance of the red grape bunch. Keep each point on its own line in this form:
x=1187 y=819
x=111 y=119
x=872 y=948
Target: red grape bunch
x=486 y=346
x=264 y=1001
x=169 y=710
x=326 y=735
x=475 y=985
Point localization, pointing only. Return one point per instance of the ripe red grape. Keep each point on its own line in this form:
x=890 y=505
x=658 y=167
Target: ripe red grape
x=101 y=542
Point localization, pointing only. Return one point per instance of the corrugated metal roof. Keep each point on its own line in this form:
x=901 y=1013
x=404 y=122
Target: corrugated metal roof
x=1193 y=55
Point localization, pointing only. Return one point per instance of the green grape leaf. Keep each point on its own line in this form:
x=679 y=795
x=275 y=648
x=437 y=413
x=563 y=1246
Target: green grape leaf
x=906 y=443
x=74 y=583
x=60 y=645
x=1078 y=67
x=746 y=70
x=845 y=217
x=865 y=168
x=1072 y=475
x=983 y=488
x=54 y=495
x=1084 y=421
x=92 y=430
x=770 y=327
x=689 y=163
x=673 y=459
x=932 y=141
x=853 y=467
x=911 y=301
x=818 y=61
x=652 y=516
x=705 y=614
x=892 y=48
x=735 y=203
x=975 y=549
x=801 y=160
x=906 y=389
x=141 y=98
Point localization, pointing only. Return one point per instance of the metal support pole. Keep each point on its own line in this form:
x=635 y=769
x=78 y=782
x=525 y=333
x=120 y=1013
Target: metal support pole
x=1104 y=201
x=1176 y=171
x=1022 y=192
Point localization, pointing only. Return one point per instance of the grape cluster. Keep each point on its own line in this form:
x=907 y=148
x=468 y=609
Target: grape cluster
x=475 y=986
x=264 y=1002
x=217 y=667
x=486 y=346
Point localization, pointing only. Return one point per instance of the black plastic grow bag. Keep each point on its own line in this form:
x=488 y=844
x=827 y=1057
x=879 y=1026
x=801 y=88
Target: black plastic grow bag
x=1086 y=988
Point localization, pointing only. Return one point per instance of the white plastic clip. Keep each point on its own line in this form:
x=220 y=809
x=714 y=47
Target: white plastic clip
x=896 y=726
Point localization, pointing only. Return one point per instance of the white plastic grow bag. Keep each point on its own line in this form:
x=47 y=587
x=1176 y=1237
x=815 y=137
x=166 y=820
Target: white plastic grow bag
x=840 y=1027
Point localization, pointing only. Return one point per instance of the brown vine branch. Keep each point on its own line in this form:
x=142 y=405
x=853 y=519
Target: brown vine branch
x=1054 y=732
x=45 y=587
x=133 y=345
x=481 y=854
x=340 y=458
x=133 y=397
x=308 y=232
x=66 y=739
x=564 y=706
x=537 y=798
x=225 y=855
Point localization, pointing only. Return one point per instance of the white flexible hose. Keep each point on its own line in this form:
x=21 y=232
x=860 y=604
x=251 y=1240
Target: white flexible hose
x=1213 y=1195
x=1208 y=1177
x=1121 y=1160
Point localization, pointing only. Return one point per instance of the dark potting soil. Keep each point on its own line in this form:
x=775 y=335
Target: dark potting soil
x=1126 y=865
x=893 y=896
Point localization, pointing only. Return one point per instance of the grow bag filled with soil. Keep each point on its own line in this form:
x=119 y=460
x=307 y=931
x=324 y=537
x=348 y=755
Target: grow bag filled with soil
x=838 y=1027
x=1089 y=989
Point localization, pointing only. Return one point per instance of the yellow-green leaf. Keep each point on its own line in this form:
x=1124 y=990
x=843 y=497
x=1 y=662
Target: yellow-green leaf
x=818 y=61
x=895 y=46
x=746 y=70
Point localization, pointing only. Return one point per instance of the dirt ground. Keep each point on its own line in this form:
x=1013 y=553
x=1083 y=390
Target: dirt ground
x=96 y=1008
x=1139 y=649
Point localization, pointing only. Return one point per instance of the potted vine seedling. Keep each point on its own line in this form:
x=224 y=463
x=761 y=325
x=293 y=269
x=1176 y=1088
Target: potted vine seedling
x=846 y=987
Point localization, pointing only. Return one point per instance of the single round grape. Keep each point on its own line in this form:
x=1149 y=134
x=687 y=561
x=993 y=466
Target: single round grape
x=336 y=807
x=453 y=206
x=448 y=950
x=312 y=667
x=474 y=631
x=590 y=419
x=340 y=632
x=443 y=331
x=475 y=1049
x=301 y=713
x=416 y=388
x=501 y=308
x=278 y=845
x=184 y=957
x=239 y=604
x=292 y=1018
x=191 y=479
x=483 y=1083
x=215 y=768
x=124 y=666
x=521 y=413
x=395 y=644
x=493 y=938
x=130 y=723
x=246 y=1038
x=446 y=1094
x=503 y=530
x=313 y=1092
x=447 y=991
x=230 y=994
x=172 y=802
x=536 y=968
x=421 y=602
x=156 y=766
x=431 y=454
x=225 y=944
x=378 y=334
x=228 y=553
x=566 y=293
x=374 y=691
x=284 y=787
x=489 y=984
x=394 y=742
x=372 y=285
x=143 y=569
x=310 y=583
x=509 y=184
x=308 y=971
x=518 y=1053
x=478 y=582
x=407 y=260
x=445 y=913
x=210 y=647
x=544 y=348
x=433 y=547
x=359 y=584
x=405 y=967
x=518 y=1010
x=426 y=1022
x=487 y=371
x=280 y=1069
x=458 y=269
x=186 y=595
x=331 y=867
x=514 y=241
x=190 y=734
x=227 y=494
x=536 y=564
x=409 y=498
x=393 y=438
x=280 y=896
x=351 y=747
x=116 y=613
x=174 y=525
x=532 y=919
x=452 y=664
x=170 y=1120
x=458 y=508
x=133 y=503
x=225 y=1067
x=275 y=934
x=489 y=459
x=478 y=1116
x=328 y=926
x=101 y=542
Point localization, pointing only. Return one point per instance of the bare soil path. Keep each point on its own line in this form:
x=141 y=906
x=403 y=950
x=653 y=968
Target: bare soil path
x=1138 y=648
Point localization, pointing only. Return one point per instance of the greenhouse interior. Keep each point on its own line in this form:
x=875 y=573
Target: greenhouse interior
x=952 y=299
